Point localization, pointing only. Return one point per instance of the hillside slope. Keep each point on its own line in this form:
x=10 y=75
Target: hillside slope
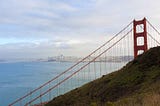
x=138 y=78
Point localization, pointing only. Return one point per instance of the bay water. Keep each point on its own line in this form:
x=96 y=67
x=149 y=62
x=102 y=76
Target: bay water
x=19 y=78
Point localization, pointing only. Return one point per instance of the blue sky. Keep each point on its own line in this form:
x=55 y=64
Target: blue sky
x=42 y=28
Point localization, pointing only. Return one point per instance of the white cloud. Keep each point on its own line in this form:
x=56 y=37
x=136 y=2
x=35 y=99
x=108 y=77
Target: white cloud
x=68 y=26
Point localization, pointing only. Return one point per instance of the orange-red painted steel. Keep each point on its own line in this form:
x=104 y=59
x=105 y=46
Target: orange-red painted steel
x=137 y=34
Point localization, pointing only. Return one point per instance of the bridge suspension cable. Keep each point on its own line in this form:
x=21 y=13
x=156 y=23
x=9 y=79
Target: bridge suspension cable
x=155 y=39
x=97 y=56
x=77 y=70
x=56 y=77
x=153 y=27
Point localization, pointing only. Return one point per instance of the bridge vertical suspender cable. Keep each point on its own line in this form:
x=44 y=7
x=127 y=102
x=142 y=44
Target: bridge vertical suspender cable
x=77 y=70
x=158 y=42
x=20 y=99
x=91 y=58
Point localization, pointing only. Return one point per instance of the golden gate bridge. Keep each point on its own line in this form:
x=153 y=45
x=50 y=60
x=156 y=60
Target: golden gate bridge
x=134 y=39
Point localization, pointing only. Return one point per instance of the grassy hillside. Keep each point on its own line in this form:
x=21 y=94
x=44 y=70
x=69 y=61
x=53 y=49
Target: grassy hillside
x=134 y=85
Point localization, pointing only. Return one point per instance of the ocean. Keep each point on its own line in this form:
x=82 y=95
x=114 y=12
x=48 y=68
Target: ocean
x=19 y=78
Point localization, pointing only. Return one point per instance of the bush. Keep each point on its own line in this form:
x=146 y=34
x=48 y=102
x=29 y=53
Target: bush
x=93 y=104
x=109 y=104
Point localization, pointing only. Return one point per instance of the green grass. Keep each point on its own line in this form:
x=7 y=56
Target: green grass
x=138 y=78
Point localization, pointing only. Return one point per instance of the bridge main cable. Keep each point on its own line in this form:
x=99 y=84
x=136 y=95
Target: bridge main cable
x=31 y=92
x=153 y=27
x=78 y=69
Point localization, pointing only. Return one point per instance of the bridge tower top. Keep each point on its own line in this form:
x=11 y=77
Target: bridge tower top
x=140 y=37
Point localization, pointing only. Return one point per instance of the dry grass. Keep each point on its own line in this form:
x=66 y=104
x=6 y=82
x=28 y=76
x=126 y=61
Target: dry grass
x=152 y=99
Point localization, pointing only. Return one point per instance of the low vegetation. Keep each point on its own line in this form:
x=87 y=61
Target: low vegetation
x=136 y=84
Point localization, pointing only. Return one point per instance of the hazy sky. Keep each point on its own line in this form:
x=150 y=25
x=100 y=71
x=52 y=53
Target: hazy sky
x=42 y=28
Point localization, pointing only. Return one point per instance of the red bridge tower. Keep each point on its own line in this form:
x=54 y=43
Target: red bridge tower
x=140 y=37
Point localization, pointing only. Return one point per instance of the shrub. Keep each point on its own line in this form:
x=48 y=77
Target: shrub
x=109 y=104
